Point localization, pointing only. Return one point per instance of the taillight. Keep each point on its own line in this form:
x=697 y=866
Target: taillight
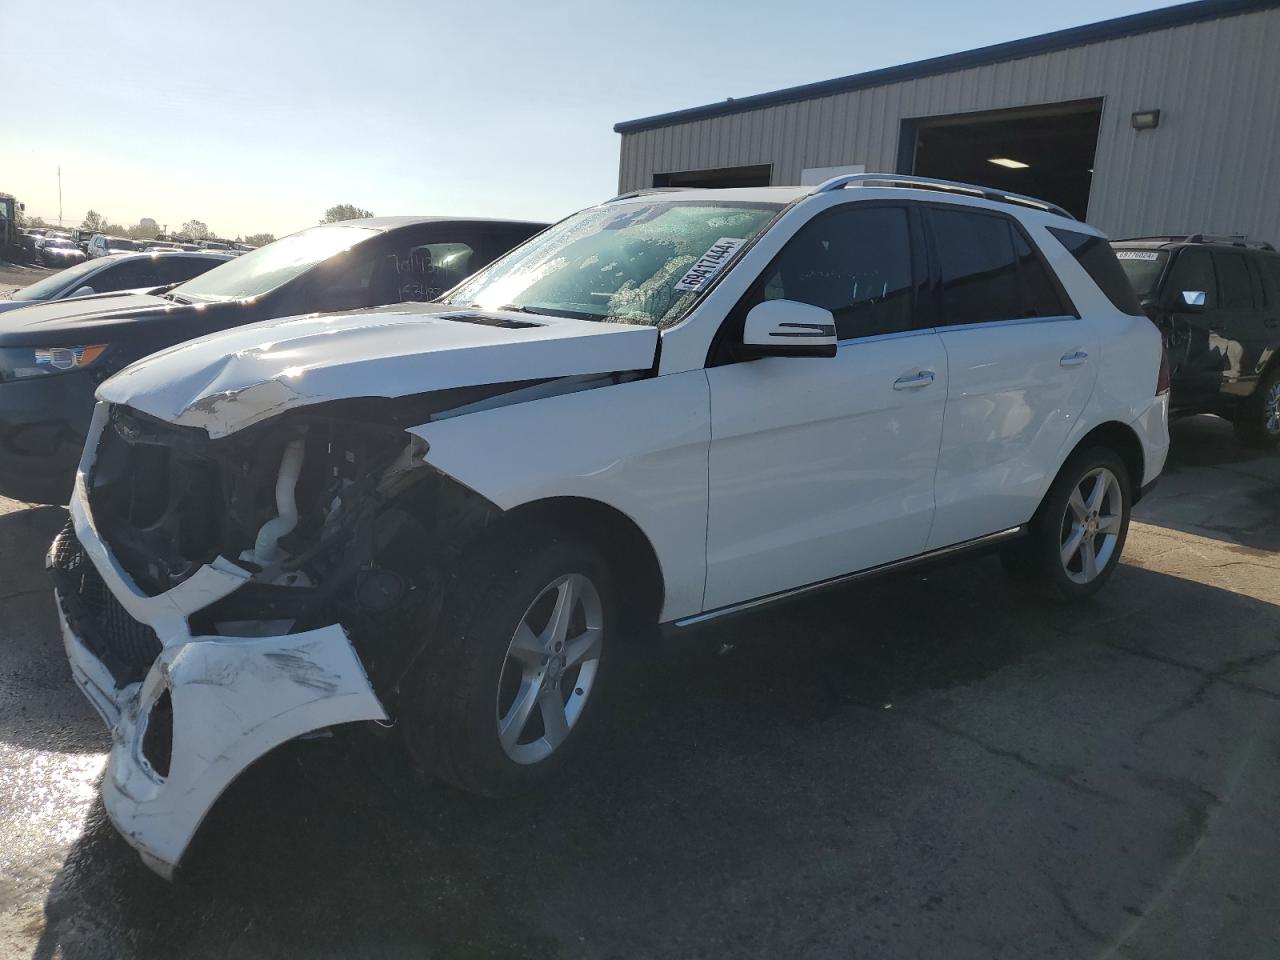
x=1162 y=379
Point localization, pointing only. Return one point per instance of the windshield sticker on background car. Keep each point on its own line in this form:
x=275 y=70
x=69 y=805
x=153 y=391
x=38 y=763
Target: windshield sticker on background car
x=1137 y=255
x=709 y=264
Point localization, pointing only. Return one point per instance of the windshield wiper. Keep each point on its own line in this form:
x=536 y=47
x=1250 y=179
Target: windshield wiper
x=176 y=299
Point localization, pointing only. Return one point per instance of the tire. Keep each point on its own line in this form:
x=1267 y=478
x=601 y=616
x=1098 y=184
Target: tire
x=484 y=663
x=1041 y=560
x=1257 y=422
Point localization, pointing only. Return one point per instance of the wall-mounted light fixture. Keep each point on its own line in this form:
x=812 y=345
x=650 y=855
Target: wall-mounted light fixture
x=1145 y=119
x=1006 y=162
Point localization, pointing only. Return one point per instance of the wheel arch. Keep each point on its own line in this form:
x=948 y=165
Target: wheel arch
x=631 y=556
x=1121 y=438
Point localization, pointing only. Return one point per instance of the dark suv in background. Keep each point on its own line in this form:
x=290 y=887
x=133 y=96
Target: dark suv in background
x=1217 y=299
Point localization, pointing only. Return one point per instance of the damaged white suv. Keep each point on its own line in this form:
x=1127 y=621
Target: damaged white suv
x=667 y=408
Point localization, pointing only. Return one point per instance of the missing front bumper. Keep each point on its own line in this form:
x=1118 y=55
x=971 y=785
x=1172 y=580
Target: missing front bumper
x=188 y=714
x=207 y=709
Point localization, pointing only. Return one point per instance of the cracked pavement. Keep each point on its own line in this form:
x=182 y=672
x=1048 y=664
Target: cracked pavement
x=931 y=766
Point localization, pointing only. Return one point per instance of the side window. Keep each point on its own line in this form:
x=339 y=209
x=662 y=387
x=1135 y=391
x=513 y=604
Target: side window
x=123 y=276
x=1235 y=285
x=178 y=269
x=1040 y=296
x=979 y=271
x=855 y=262
x=429 y=269
x=1192 y=270
x=1100 y=262
x=1269 y=267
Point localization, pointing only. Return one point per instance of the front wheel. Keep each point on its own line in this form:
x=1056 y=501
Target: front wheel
x=511 y=686
x=1075 y=540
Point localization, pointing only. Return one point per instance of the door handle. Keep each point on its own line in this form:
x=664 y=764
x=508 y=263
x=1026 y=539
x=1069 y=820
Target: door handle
x=1073 y=359
x=914 y=381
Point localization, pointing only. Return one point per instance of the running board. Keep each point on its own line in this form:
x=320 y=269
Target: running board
x=940 y=555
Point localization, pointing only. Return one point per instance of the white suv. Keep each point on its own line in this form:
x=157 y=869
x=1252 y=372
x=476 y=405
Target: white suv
x=667 y=408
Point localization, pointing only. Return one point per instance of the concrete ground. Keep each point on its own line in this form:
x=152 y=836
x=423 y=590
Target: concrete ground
x=929 y=767
x=14 y=276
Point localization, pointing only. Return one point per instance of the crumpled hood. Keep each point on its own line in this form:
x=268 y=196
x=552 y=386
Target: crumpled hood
x=227 y=381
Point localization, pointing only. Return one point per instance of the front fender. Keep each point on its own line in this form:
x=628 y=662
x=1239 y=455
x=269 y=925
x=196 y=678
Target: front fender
x=640 y=447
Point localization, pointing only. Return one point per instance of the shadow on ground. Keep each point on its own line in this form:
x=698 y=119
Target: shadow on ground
x=834 y=775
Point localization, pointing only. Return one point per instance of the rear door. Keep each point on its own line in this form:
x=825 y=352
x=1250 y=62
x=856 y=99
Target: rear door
x=1194 y=363
x=824 y=466
x=1235 y=332
x=1021 y=367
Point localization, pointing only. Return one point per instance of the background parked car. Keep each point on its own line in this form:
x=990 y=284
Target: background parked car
x=59 y=252
x=119 y=271
x=1217 y=300
x=101 y=245
x=46 y=404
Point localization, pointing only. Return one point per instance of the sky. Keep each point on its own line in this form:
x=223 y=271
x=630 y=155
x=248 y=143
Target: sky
x=257 y=116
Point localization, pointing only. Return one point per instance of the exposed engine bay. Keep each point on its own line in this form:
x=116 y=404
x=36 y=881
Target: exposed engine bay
x=330 y=509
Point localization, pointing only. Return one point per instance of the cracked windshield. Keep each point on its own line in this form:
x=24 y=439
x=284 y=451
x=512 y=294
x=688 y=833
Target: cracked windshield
x=639 y=263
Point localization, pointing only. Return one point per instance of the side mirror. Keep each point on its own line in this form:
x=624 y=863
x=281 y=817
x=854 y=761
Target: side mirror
x=1192 y=300
x=787 y=328
x=82 y=291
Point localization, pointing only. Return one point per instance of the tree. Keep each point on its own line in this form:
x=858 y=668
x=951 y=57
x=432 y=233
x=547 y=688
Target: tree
x=145 y=230
x=345 y=211
x=196 y=230
x=259 y=239
x=93 y=222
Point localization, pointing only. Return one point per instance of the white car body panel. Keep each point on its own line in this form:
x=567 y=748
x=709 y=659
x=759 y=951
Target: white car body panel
x=230 y=380
x=821 y=466
x=1011 y=407
x=639 y=447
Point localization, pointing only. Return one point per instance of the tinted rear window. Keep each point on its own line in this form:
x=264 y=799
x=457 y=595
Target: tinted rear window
x=1099 y=261
x=990 y=271
x=1235 y=286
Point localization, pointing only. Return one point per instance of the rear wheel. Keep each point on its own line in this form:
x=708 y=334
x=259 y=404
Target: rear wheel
x=511 y=686
x=1076 y=538
x=1257 y=422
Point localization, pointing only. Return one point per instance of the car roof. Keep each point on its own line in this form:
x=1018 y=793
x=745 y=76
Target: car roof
x=392 y=223
x=1192 y=240
x=918 y=190
x=702 y=194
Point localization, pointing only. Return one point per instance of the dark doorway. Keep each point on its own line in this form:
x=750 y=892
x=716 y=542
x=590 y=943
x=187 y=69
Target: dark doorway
x=1045 y=151
x=754 y=176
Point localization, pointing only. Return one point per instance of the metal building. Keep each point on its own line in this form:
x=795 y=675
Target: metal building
x=1161 y=122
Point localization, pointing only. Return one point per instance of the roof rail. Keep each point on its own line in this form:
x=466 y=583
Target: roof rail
x=1235 y=240
x=929 y=183
x=646 y=190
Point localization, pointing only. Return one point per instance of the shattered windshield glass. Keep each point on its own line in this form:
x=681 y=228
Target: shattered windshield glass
x=635 y=262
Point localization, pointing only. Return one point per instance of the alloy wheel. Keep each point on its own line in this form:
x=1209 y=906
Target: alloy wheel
x=1091 y=525
x=1271 y=410
x=550 y=669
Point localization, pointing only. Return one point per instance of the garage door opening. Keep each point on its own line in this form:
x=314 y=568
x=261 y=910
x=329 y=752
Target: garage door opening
x=756 y=175
x=1044 y=151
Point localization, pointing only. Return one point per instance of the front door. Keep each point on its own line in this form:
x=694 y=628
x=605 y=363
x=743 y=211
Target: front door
x=820 y=467
x=1191 y=299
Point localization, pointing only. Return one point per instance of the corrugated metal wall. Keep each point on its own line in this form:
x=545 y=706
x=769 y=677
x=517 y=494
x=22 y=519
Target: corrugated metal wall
x=1212 y=165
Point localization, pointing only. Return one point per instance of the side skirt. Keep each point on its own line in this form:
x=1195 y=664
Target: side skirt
x=940 y=556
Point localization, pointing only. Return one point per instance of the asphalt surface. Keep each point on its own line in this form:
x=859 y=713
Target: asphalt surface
x=930 y=767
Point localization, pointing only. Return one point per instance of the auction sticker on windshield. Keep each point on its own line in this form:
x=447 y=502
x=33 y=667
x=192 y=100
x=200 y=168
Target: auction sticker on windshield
x=709 y=264
x=1137 y=255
